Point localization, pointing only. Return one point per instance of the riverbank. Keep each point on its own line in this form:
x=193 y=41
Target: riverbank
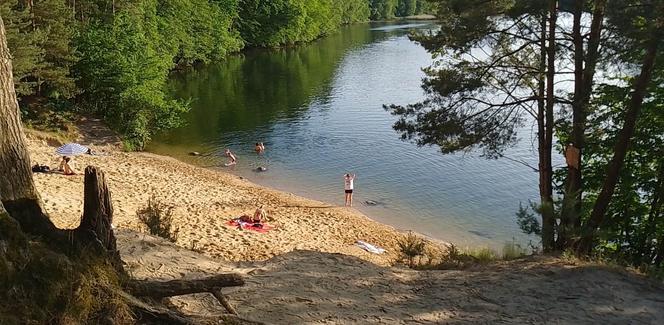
x=203 y=200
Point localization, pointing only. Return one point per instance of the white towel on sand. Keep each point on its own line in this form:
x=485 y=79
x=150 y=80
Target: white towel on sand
x=369 y=248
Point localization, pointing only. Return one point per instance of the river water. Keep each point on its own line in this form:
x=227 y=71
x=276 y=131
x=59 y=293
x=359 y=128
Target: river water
x=318 y=109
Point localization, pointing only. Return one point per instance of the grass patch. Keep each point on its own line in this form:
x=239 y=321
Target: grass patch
x=482 y=255
x=512 y=250
x=422 y=254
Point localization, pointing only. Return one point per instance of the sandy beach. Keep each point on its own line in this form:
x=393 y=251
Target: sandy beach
x=308 y=270
x=203 y=201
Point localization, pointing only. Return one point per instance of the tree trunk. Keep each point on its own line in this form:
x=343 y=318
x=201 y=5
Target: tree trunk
x=621 y=146
x=97 y=220
x=17 y=190
x=545 y=125
x=583 y=83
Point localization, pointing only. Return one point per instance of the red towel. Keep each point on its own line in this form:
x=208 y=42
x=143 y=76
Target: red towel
x=251 y=226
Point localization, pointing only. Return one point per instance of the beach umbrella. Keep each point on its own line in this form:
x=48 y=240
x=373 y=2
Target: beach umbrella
x=71 y=149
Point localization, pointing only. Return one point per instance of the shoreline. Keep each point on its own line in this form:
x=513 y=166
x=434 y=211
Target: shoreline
x=203 y=200
x=299 y=189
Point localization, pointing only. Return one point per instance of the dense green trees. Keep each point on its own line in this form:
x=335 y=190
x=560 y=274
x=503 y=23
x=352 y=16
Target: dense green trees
x=39 y=34
x=387 y=9
x=286 y=22
x=124 y=64
x=502 y=61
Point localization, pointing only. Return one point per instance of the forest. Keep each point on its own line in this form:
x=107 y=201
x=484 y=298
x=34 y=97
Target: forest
x=587 y=78
x=112 y=58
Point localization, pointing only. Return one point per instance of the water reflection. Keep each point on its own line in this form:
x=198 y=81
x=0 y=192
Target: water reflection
x=318 y=110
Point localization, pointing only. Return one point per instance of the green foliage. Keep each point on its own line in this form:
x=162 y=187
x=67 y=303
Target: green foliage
x=490 y=75
x=634 y=231
x=124 y=76
x=40 y=37
x=527 y=220
x=124 y=65
x=287 y=22
x=383 y=9
x=406 y=8
x=158 y=218
x=410 y=247
x=388 y=9
x=474 y=102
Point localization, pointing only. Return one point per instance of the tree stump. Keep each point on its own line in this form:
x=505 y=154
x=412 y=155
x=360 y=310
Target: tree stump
x=97 y=220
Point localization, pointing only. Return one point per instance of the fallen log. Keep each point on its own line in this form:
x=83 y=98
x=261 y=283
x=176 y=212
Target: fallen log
x=151 y=314
x=224 y=302
x=162 y=289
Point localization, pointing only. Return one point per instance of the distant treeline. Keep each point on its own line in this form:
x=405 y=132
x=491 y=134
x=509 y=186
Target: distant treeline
x=112 y=57
x=387 y=9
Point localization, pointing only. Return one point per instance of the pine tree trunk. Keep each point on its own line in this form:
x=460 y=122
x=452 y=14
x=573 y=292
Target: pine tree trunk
x=583 y=83
x=545 y=127
x=622 y=145
x=17 y=190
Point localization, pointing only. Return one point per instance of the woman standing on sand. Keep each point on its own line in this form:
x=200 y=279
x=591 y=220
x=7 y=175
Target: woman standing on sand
x=348 y=188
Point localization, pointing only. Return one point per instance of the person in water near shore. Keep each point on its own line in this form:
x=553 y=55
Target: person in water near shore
x=260 y=147
x=231 y=158
x=348 y=188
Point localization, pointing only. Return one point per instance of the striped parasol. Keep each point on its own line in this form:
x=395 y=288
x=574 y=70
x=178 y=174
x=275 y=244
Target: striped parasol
x=71 y=149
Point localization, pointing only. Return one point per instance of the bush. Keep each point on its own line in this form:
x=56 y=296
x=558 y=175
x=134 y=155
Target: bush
x=158 y=218
x=411 y=246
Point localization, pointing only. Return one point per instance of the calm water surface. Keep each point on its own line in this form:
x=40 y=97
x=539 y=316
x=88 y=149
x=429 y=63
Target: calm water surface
x=318 y=109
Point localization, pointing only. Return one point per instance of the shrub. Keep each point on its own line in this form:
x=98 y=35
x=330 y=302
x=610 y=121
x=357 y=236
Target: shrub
x=158 y=218
x=411 y=246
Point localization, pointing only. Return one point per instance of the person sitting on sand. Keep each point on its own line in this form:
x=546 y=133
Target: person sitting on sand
x=66 y=166
x=63 y=161
x=260 y=147
x=231 y=158
x=260 y=214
